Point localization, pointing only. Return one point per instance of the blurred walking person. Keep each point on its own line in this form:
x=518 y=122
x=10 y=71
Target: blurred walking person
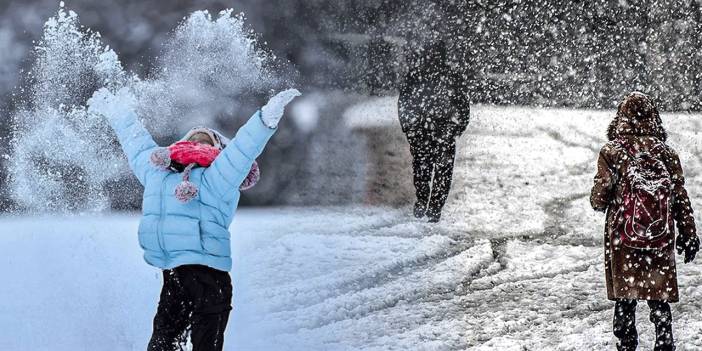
x=434 y=111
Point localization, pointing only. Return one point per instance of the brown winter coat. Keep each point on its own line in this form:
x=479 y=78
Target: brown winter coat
x=636 y=273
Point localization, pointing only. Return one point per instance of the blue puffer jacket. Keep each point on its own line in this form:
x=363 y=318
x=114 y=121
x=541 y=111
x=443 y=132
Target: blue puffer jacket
x=173 y=233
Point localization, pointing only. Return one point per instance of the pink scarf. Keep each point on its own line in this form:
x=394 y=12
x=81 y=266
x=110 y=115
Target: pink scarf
x=187 y=152
x=190 y=154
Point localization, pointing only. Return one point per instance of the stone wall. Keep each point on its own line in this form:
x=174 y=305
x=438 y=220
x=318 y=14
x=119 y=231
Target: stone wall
x=388 y=169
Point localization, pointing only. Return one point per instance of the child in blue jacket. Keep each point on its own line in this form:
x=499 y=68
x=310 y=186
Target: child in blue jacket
x=186 y=215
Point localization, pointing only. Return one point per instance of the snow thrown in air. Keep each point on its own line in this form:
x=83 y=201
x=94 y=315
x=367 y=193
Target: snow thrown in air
x=207 y=64
x=62 y=156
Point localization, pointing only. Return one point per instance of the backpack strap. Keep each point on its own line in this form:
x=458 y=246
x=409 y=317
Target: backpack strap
x=629 y=151
x=664 y=159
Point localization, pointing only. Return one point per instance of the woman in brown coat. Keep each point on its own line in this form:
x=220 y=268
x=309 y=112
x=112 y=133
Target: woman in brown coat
x=634 y=273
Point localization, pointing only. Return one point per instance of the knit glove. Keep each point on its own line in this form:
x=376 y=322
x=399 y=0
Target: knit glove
x=272 y=112
x=112 y=106
x=689 y=247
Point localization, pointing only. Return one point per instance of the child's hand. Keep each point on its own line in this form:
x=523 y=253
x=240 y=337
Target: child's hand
x=103 y=102
x=273 y=111
x=690 y=248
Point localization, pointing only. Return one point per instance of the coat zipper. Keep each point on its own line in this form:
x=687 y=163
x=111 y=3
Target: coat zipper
x=159 y=229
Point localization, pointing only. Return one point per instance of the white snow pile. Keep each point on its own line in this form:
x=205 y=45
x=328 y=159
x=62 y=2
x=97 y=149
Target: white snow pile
x=62 y=156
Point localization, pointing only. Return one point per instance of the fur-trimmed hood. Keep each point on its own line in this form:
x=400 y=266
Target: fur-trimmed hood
x=220 y=141
x=637 y=115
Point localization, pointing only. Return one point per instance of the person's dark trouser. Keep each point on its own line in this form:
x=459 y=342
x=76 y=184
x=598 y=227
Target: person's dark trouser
x=625 y=325
x=195 y=300
x=433 y=154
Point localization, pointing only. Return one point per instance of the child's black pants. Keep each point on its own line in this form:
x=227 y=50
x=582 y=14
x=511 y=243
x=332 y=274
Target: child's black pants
x=195 y=301
x=625 y=325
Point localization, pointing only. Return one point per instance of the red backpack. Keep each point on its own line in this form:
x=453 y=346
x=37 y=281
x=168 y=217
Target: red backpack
x=647 y=221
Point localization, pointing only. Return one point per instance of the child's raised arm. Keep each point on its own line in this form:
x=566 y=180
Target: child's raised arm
x=604 y=183
x=136 y=141
x=232 y=165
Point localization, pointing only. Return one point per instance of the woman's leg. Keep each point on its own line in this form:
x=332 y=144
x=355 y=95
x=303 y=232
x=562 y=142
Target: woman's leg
x=420 y=148
x=172 y=315
x=444 y=156
x=625 y=325
x=662 y=318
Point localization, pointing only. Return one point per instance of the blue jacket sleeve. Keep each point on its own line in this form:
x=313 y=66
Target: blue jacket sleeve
x=231 y=167
x=136 y=142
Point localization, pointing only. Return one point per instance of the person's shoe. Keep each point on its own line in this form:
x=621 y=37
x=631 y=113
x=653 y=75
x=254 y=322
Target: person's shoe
x=419 y=210
x=434 y=217
x=631 y=346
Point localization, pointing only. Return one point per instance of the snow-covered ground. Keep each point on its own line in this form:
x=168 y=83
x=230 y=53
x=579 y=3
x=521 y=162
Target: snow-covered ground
x=516 y=263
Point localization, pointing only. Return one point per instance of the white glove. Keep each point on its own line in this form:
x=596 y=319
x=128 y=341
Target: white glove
x=272 y=112
x=112 y=106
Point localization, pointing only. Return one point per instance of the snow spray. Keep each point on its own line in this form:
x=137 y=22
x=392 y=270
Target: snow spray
x=206 y=65
x=62 y=156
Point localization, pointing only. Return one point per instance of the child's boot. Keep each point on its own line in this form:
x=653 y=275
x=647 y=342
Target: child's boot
x=662 y=318
x=625 y=325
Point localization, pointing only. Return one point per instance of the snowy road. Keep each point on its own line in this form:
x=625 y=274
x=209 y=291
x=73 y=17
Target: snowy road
x=516 y=263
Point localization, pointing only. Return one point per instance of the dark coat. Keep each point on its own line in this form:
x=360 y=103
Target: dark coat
x=433 y=95
x=636 y=273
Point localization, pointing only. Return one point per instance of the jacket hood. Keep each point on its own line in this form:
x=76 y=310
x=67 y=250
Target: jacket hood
x=220 y=141
x=637 y=115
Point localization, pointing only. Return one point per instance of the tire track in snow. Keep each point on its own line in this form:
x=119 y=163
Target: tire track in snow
x=484 y=284
x=432 y=281
x=557 y=136
x=305 y=292
x=478 y=312
x=297 y=294
x=585 y=166
x=401 y=270
x=557 y=224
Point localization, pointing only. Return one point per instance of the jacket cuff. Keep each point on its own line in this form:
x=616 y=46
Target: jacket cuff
x=258 y=129
x=260 y=115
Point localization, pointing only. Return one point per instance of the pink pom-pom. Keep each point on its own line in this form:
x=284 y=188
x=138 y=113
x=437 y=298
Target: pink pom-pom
x=252 y=178
x=161 y=158
x=185 y=191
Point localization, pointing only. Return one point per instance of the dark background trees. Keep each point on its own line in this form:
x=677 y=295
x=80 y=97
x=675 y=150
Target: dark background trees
x=543 y=52
x=553 y=52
